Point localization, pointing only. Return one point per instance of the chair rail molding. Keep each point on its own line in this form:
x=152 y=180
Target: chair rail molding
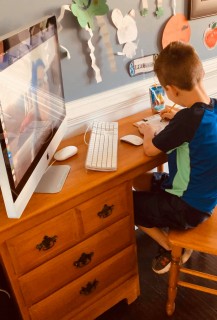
x=123 y=101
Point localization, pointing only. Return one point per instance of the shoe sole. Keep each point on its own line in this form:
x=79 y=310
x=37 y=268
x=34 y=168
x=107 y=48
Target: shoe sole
x=186 y=255
x=164 y=270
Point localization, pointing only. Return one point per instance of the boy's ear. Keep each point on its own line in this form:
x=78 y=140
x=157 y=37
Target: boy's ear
x=173 y=90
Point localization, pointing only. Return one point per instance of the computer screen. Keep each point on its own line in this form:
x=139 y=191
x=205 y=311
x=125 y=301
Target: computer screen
x=32 y=109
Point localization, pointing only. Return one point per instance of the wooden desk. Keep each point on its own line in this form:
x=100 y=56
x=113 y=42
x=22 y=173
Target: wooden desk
x=72 y=255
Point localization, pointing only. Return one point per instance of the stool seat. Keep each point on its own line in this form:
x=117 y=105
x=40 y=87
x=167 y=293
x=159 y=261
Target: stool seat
x=202 y=238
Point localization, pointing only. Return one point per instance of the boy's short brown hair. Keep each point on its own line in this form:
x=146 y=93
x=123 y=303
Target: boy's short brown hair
x=178 y=64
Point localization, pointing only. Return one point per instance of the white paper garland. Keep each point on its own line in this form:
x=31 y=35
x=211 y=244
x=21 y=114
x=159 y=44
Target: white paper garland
x=174 y=7
x=93 y=58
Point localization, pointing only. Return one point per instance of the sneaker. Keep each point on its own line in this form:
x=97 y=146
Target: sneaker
x=162 y=262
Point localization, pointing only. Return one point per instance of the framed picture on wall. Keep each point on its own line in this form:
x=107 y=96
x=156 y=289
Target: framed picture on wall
x=202 y=8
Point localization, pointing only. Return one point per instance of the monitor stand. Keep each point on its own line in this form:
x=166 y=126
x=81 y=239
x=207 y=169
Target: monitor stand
x=53 y=179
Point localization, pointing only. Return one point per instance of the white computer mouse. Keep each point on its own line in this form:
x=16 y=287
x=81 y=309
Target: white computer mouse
x=65 y=153
x=132 y=139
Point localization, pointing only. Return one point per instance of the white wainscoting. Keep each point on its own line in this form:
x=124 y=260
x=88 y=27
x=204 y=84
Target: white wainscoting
x=126 y=100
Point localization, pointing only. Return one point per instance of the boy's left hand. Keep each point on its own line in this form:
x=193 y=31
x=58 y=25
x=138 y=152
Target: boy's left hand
x=147 y=130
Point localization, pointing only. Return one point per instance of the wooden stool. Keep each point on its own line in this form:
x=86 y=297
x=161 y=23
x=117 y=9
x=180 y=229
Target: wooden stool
x=203 y=238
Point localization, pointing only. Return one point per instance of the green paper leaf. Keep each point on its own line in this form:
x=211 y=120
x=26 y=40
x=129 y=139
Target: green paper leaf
x=213 y=25
x=159 y=12
x=144 y=12
x=85 y=11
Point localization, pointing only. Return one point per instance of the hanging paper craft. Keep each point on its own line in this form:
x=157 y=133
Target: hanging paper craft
x=93 y=59
x=126 y=31
x=177 y=29
x=64 y=52
x=85 y=11
x=129 y=49
x=144 y=8
x=159 y=11
x=142 y=65
x=61 y=16
x=210 y=36
x=107 y=42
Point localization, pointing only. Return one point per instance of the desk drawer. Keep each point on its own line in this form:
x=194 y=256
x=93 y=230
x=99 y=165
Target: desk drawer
x=43 y=242
x=64 y=268
x=105 y=209
x=84 y=291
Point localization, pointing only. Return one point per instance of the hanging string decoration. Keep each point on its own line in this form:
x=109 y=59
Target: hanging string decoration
x=86 y=11
x=144 y=8
x=159 y=10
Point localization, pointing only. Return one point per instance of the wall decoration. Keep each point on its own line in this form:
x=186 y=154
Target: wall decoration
x=144 y=8
x=126 y=31
x=177 y=28
x=202 y=8
x=64 y=52
x=159 y=10
x=129 y=49
x=210 y=36
x=142 y=65
x=104 y=31
x=173 y=4
x=85 y=11
x=93 y=59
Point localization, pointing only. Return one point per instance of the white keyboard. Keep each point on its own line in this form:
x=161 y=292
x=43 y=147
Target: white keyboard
x=103 y=147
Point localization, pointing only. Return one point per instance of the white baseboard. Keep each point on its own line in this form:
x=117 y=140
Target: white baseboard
x=121 y=102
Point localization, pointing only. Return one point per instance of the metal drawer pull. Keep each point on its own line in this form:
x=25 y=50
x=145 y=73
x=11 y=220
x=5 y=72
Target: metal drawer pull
x=90 y=287
x=47 y=243
x=84 y=259
x=106 y=211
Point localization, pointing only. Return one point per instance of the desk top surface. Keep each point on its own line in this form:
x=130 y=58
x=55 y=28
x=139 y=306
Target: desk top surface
x=81 y=183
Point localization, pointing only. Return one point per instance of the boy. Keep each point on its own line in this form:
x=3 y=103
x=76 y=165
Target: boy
x=188 y=194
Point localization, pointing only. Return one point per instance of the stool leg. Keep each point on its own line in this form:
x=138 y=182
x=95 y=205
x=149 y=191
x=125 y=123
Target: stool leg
x=173 y=279
x=160 y=168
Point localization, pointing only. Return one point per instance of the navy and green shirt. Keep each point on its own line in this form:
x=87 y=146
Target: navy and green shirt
x=190 y=140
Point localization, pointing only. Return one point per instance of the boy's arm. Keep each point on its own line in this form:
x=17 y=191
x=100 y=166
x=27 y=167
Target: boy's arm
x=148 y=132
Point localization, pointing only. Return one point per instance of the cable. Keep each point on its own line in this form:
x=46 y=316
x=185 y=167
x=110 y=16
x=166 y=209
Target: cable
x=49 y=166
x=86 y=133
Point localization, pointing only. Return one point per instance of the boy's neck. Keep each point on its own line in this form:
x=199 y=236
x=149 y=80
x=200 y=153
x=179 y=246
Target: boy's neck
x=197 y=94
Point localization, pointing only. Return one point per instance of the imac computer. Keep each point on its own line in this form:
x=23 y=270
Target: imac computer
x=32 y=111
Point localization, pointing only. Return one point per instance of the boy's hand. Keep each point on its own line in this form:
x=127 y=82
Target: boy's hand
x=168 y=113
x=147 y=130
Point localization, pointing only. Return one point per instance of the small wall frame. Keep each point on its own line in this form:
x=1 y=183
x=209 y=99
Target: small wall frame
x=202 y=8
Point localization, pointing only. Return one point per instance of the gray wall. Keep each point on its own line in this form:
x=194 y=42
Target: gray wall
x=78 y=76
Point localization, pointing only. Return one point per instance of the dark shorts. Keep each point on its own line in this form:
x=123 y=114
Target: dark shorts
x=161 y=209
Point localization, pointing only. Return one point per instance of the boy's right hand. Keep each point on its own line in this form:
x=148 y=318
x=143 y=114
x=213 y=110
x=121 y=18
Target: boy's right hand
x=168 y=113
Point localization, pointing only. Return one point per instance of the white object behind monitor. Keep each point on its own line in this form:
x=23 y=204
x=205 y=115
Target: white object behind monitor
x=19 y=176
